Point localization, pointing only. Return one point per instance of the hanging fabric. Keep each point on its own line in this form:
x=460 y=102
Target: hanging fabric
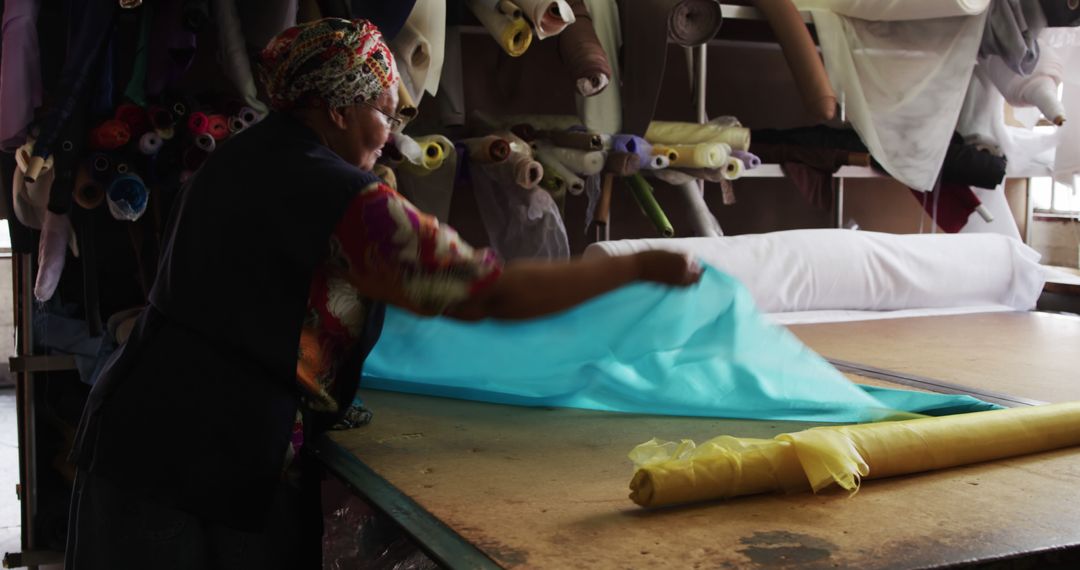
x=602 y=112
x=581 y=52
x=421 y=46
x=893 y=10
x=20 y=83
x=234 y=54
x=549 y=17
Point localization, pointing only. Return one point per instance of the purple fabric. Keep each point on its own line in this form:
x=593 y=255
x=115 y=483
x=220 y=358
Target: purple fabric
x=52 y=253
x=20 y=71
x=172 y=49
x=633 y=144
x=750 y=160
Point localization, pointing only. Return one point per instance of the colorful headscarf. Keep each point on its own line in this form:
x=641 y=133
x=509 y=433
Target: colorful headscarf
x=343 y=62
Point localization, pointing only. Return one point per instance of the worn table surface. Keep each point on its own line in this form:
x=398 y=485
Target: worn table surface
x=543 y=488
x=1030 y=355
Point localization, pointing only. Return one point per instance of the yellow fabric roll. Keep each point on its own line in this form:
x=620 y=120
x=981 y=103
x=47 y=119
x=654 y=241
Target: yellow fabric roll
x=670 y=133
x=724 y=467
x=733 y=168
x=662 y=150
x=514 y=35
x=433 y=152
x=706 y=155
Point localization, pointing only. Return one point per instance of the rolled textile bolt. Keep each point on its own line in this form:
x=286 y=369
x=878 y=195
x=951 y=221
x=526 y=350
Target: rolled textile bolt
x=514 y=35
x=643 y=194
x=236 y=124
x=679 y=133
x=582 y=53
x=801 y=53
x=109 y=135
x=198 y=123
x=580 y=162
x=633 y=144
x=387 y=174
x=671 y=154
x=205 y=142
x=581 y=140
x=406 y=108
x=508 y=8
x=657 y=162
x=248 y=115
x=52 y=253
x=733 y=169
x=622 y=163
x=217 y=126
x=706 y=155
x=166 y=134
x=524 y=131
x=134 y=117
x=127 y=197
x=549 y=17
x=160 y=117
x=555 y=168
x=130 y=4
x=150 y=143
x=488 y=149
x=750 y=160
x=88 y=193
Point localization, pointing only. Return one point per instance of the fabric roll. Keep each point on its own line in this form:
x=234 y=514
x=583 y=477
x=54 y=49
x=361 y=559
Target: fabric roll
x=217 y=126
x=52 y=254
x=814 y=459
x=603 y=112
x=648 y=26
x=903 y=108
x=578 y=140
x=205 y=142
x=236 y=124
x=656 y=162
x=549 y=17
x=1040 y=89
x=522 y=170
x=420 y=47
x=1012 y=32
x=406 y=108
x=134 y=117
x=412 y=54
x=30 y=199
x=88 y=193
x=93 y=24
x=750 y=161
x=622 y=163
x=676 y=133
x=733 y=168
x=555 y=168
x=127 y=197
x=706 y=155
x=100 y=167
x=172 y=50
x=1061 y=14
x=109 y=135
x=664 y=150
x=198 y=122
x=635 y=145
x=512 y=34
x=431 y=190
x=234 y=54
x=582 y=54
x=20 y=84
x=434 y=150
x=390 y=17
x=583 y=163
x=801 y=54
x=451 y=96
x=136 y=86
x=743 y=366
x=150 y=143
x=892 y=10
x=488 y=149
x=643 y=195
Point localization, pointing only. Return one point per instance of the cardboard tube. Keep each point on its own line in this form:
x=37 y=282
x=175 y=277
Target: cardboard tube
x=643 y=195
x=88 y=193
x=406 y=108
x=818 y=97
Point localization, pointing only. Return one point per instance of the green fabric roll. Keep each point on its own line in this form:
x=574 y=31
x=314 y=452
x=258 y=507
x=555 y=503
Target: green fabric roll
x=643 y=194
x=136 y=87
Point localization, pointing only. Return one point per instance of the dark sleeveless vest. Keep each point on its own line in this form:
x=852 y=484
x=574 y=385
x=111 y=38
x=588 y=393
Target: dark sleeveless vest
x=197 y=407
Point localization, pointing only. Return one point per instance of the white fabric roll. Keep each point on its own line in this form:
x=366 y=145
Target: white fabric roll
x=555 y=167
x=431 y=191
x=733 y=168
x=428 y=21
x=1040 y=89
x=549 y=17
x=903 y=84
x=602 y=112
x=412 y=54
x=656 y=162
x=897 y=9
x=581 y=162
x=805 y=270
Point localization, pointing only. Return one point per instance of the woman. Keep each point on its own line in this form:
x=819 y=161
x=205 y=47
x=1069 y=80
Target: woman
x=280 y=255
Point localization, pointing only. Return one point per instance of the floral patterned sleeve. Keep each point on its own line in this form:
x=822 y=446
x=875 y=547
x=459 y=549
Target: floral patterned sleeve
x=390 y=251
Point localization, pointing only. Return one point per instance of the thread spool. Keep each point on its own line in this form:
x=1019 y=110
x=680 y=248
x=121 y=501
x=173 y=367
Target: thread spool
x=150 y=143
x=248 y=115
x=236 y=124
x=110 y=135
x=166 y=134
x=134 y=117
x=198 y=123
x=217 y=126
x=127 y=197
x=100 y=167
x=88 y=193
x=205 y=142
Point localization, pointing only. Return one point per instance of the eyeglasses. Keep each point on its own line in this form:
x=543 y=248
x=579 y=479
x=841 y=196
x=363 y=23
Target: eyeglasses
x=393 y=122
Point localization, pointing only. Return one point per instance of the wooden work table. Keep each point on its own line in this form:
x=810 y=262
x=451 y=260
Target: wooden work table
x=482 y=485
x=1033 y=356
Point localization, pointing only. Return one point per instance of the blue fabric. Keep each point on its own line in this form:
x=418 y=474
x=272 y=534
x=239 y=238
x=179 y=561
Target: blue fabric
x=700 y=351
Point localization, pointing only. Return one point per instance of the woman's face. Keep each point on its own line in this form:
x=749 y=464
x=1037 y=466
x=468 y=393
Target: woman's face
x=367 y=129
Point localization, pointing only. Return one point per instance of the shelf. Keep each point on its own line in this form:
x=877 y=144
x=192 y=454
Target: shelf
x=774 y=171
x=42 y=363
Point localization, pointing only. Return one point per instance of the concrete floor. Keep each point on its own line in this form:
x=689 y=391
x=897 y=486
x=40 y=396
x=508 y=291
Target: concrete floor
x=9 y=473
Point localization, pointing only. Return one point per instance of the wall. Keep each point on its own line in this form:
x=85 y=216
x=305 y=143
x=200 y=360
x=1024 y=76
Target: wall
x=1056 y=240
x=7 y=320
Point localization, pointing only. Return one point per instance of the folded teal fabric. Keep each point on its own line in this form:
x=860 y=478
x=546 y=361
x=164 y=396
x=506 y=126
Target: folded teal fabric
x=647 y=349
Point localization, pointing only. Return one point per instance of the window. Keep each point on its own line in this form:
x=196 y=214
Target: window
x=1054 y=199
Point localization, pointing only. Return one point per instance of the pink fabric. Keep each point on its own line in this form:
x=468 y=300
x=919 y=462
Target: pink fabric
x=20 y=71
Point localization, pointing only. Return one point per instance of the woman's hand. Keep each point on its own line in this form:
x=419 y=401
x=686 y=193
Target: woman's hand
x=667 y=268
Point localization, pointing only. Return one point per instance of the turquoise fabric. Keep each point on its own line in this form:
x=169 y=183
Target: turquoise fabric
x=699 y=351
